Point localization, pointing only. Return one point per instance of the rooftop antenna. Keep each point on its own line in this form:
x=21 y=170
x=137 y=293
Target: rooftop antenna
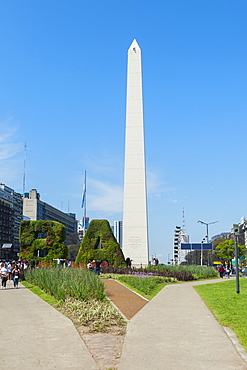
x=24 y=168
x=183 y=224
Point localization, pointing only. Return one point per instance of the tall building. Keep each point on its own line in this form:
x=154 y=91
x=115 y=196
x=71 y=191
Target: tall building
x=135 y=226
x=118 y=231
x=82 y=226
x=10 y=219
x=35 y=209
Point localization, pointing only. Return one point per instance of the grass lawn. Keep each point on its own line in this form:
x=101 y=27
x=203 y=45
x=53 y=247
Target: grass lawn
x=229 y=308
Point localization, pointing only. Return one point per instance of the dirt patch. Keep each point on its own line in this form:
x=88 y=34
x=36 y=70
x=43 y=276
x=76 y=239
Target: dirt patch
x=106 y=348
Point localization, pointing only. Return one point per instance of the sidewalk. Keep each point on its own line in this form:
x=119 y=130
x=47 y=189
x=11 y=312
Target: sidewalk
x=34 y=335
x=174 y=331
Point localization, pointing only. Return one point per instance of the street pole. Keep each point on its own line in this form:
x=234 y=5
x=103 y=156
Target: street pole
x=236 y=260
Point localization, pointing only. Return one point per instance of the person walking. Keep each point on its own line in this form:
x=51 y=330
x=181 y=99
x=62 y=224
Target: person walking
x=97 y=267
x=4 y=275
x=221 y=271
x=16 y=276
x=228 y=271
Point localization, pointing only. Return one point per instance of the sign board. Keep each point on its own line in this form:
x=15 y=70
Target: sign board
x=196 y=246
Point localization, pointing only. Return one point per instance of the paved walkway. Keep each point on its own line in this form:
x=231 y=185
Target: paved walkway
x=174 y=331
x=34 y=335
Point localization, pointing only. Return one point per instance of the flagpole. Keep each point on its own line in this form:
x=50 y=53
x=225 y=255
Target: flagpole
x=85 y=203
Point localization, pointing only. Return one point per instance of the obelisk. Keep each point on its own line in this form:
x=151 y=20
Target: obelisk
x=135 y=225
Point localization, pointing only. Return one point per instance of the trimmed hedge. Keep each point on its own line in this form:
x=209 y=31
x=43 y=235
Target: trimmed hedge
x=100 y=243
x=30 y=244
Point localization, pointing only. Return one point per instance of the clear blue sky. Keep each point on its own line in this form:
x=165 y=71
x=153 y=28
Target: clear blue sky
x=63 y=86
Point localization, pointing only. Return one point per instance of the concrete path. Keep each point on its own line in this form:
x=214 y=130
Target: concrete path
x=34 y=335
x=174 y=331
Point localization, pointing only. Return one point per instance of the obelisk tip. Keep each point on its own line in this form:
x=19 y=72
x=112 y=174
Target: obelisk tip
x=134 y=46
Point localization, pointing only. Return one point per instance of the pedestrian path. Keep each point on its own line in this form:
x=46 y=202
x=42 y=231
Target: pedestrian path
x=34 y=335
x=128 y=302
x=176 y=330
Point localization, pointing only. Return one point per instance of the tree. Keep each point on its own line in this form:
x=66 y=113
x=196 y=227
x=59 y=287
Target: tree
x=226 y=250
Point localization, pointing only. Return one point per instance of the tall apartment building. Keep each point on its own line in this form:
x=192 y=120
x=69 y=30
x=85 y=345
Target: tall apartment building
x=10 y=218
x=35 y=209
x=118 y=231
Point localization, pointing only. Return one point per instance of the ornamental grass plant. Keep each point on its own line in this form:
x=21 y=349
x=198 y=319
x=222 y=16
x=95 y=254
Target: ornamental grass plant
x=61 y=283
x=199 y=272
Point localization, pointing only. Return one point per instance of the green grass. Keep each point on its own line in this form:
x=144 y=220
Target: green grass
x=40 y=293
x=147 y=285
x=229 y=308
x=141 y=285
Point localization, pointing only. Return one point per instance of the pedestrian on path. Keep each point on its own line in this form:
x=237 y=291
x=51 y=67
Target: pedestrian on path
x=16 y=276
x=228 y=271
x=222 y=271
x=4 y=275
x=97 y=267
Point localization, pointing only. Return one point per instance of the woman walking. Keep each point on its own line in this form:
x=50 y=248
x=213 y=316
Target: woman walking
x=4 y=275
x=16 y=275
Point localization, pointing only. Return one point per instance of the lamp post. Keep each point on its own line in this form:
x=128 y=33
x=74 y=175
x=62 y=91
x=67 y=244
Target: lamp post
x=206 y=223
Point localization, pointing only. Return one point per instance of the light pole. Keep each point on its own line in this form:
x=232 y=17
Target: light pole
x=206 y=223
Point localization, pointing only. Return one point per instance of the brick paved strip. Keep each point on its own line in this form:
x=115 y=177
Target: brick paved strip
x=128 y=302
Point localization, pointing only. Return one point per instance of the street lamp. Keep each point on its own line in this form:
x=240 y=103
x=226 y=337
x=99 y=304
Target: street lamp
x=207 y=223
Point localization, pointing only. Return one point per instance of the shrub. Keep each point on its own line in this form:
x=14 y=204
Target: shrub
x=179 y=275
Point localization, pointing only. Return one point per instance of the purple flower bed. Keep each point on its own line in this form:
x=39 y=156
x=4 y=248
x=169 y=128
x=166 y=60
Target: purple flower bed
x=179 y=275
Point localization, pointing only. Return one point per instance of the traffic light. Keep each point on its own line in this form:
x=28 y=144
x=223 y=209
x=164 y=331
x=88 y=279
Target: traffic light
x=236 y=229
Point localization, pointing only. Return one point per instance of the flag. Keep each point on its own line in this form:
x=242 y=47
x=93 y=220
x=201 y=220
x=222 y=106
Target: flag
x=83 y=193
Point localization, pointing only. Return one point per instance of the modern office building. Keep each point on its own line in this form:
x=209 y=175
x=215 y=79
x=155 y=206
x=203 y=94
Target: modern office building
x=35 y=209
x=118 y=231
x=10 y=218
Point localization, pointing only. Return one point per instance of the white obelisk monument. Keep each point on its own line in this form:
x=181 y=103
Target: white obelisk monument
x=135 y=226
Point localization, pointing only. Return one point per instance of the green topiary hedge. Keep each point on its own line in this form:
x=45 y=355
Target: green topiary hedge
x=30 y=244
x=100 y=243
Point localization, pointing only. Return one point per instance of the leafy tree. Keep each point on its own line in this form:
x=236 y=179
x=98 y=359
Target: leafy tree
x=226 y=250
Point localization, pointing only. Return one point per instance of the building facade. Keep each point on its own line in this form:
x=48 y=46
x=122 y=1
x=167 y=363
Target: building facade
x=35 y=209
x=118 y=231
x=10 y=219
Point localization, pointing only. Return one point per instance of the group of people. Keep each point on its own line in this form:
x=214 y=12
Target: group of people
x=224 y=271
x=10 y=271
x=95 y=266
